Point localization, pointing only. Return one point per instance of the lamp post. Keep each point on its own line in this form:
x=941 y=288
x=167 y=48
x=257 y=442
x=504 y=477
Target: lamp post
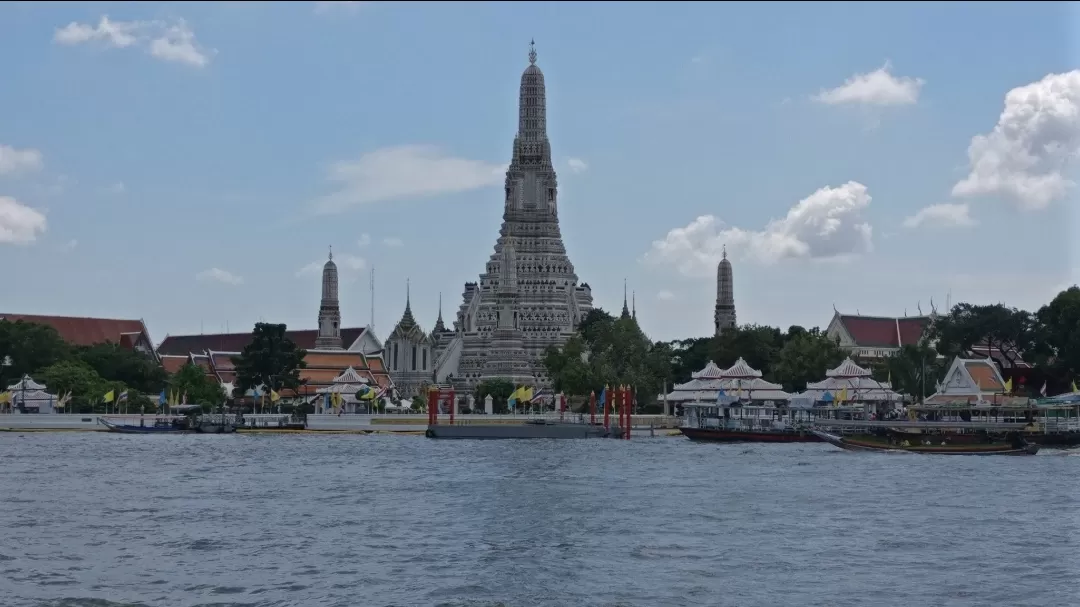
x=7 y=363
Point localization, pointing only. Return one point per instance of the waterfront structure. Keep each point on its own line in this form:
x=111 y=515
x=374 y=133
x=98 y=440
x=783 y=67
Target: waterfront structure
x=409 y=353
x=329 y=312
x=29 y=396
x=850 y=383
x=873 y=338
x=974 y=382
x=499 y=330
x=740 y=381
x=81 y=331
x=724 y=313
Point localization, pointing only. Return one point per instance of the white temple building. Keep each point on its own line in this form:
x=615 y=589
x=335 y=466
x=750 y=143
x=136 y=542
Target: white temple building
x=974 y=382
x=739 y=381
x=852 y=384
x=28 y=396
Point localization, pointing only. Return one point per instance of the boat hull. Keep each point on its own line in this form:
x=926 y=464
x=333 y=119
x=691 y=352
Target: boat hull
x=519 y=431
x=716 y=435
x=867 y=443
x=128 y=429
x=1061 y=440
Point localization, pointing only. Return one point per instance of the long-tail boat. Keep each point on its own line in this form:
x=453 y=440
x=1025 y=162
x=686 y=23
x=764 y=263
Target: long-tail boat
x=158 y=426
x=935 y=444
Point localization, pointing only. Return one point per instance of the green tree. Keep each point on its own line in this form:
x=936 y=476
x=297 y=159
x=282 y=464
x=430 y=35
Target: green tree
x=914 y=370
x=758 y=345
x=688 y=356
x=28 y=347
x=500 y=389
x=200 y=389
x=124 y=365
x=271 y=360
x=79 y=378
x=995 y=325
x=805 y=358
x=1059 y=337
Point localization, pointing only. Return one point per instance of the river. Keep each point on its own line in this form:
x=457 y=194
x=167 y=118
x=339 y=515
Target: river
x=104 y=520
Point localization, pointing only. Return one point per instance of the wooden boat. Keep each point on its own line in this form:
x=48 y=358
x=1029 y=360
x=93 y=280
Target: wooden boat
x=724 y=435
x=160 y=426
x=869 y=442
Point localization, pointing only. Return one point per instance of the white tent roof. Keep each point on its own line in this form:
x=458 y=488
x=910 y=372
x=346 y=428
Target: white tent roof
x=856 y=380
x=739 y=378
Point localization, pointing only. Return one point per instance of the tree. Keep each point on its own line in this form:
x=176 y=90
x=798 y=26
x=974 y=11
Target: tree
x=1059 y=336
x=688 y=356
x=86 y=386
x=913 y=370
x=499 y=389
x=758 y=345
x=128 y=366
x=997 y=326
x=28 y=347
x=200 y=389
x=271 y=360
x=805 y=358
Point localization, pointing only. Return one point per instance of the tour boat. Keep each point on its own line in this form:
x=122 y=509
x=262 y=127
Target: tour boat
x=159 y=426
x=747 y=423
x=935 y=444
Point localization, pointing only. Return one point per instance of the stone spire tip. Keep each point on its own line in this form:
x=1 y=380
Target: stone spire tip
x=532 y=52
x=331 y=256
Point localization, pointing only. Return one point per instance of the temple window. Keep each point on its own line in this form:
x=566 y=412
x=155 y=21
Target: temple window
x=414 y=358
x=425 y=359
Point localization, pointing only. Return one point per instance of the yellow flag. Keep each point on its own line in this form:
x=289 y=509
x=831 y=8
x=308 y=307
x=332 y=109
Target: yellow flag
x=109 y=396
x=1008 y=386
x=5 y=397
x=528 y=393
x=1073 y=386
x=843 y=394
x=274 y=396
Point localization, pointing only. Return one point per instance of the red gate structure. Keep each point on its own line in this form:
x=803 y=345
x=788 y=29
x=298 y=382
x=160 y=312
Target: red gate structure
x=435 y=397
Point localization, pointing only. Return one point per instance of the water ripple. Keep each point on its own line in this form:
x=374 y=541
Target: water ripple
x=298 y=520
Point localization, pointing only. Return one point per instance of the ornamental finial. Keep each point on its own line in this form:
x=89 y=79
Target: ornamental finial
x=532 y=52
x=331 y=252
x=724 y=253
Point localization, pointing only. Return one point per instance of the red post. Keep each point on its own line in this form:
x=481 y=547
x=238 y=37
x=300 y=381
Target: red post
x=607 y=407
x=432 y=408
x=453 y=405
x=562 y=406
x=628 y=400
x=592 y=408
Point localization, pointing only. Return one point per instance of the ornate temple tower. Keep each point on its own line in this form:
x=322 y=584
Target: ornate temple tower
x=724 y=315
x=547 y=300
x=507 y=358
x=408 y=352
x=329 y=313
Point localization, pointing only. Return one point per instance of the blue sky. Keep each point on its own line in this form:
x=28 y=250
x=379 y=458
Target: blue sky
x=184 y=162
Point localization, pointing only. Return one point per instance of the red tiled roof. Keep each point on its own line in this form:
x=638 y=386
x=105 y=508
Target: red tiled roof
x=875 y=331
x=81 y=331
x=985 y=376
x=172 y=364
x=236 y=342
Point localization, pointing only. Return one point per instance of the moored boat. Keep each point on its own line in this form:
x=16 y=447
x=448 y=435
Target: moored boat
x=724 y=435
x=939 y=445
x=536 y=428
x=159 y=426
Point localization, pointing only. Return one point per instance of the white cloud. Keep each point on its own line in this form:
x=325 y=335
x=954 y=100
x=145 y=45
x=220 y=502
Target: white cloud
x=665 y=295
x=219 y=275
x=365 y=240
x=345 y=263
x=827 y=224
x=71 y=244
x=577 y=165
x=392 y=242
x=878 y=87
x=941 y=216
x=1036 y=139
x=403 y=172
x=172 y=41
x=19 y=224
x=16 y=162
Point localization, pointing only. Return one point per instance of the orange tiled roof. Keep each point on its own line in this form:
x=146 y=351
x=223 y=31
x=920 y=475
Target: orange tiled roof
x=985 y=376
x=342 y=359
x=172 y=364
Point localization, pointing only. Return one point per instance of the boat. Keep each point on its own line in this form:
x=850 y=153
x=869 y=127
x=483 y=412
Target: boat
x=159 y=426
x=940 y=445
x=747 y=422
x=722 y=435
x=533 y=428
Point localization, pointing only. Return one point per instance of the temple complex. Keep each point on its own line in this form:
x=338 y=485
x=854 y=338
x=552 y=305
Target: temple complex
x=409 y=353
x=528 y=296
x=724 y=314
x=871 y=338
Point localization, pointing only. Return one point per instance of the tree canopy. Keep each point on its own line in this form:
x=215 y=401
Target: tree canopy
x=192 y=381
x=271 y=360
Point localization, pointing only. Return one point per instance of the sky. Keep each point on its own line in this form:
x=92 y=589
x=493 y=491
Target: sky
x=190 y=164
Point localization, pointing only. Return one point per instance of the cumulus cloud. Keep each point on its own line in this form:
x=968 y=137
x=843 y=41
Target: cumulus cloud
x=14 y=161
x=345 y=262
x=665 y=295
x=941 y=216
x=577 y=165
x=364 y=240
x=392 y=242
x=169 y=41
x=219 y=275
x=827 y=224
x=1032 y=147
x=878 y=87
x=19 y=224
x=404 y=172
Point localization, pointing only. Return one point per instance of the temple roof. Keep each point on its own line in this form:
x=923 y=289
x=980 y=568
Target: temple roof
x=182 y=345
x=85 y=331
x=848 y=368
x=884 y=332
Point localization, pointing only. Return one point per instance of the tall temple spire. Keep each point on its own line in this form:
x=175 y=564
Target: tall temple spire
x=329 y=337
x=625 y=308
x=439 y=325
x=633 y=305
x=724 y=313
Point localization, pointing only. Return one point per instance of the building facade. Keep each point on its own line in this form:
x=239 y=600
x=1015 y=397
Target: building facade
x=409 y=354
x=528 y=296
